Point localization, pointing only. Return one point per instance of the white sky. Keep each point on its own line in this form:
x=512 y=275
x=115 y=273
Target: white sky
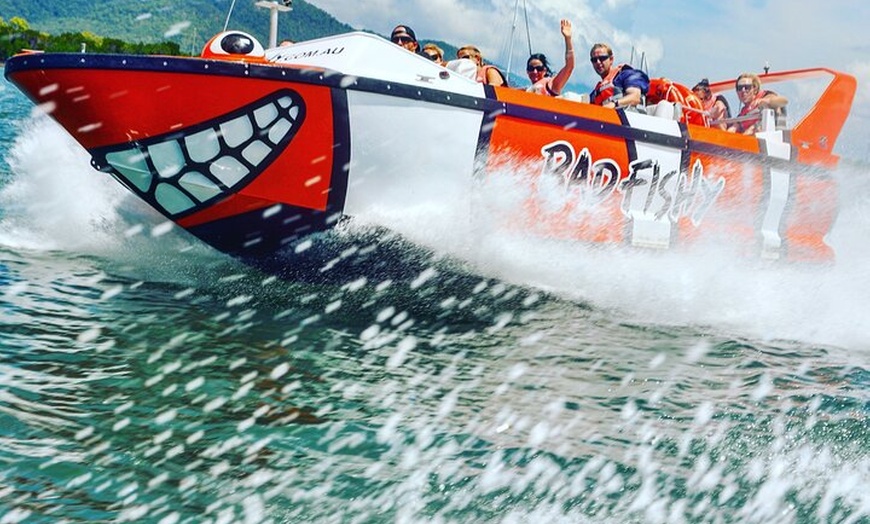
x=682 y=40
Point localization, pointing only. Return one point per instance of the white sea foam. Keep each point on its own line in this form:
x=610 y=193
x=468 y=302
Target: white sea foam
x=56 y=201
x=708 y=285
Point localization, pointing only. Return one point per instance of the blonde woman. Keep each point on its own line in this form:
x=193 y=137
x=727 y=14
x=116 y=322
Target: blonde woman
x=435 y=53
x=753 y=100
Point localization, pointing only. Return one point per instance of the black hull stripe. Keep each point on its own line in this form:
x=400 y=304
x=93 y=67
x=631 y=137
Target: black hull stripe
x=488 y=105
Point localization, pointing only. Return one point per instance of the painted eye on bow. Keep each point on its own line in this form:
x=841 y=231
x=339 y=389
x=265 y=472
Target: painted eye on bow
x=234 y=45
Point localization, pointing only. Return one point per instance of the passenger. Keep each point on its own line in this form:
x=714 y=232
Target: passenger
x=538 y=69
x=404 y=36
x=486 y=73
x=754 y=99
x=716 y=106
x=435 y=53
x=620 y=86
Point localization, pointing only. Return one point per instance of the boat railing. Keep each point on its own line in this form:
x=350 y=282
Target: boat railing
x=768 y=119
x=818 y=129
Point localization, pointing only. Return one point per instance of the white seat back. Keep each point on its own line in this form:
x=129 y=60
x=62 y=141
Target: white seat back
x=665 y=109
x=463 y=67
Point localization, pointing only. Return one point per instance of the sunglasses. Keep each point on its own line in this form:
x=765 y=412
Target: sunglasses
x=535 y=68
x=599 y=58
x=433 y=57
x=744 y=87
x=469 y=57
x=402 y=40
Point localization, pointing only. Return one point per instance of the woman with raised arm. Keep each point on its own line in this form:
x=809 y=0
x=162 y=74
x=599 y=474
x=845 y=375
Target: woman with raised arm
x=540 y=74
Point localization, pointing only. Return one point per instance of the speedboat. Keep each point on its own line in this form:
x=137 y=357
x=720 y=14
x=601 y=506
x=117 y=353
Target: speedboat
x=252 y=150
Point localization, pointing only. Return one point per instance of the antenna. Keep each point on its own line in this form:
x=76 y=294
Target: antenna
x=273 y=8
x=230 y=12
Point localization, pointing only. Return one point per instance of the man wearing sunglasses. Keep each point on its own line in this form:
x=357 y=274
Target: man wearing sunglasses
x=753 y=100
x=404 y=36
x=620 y=86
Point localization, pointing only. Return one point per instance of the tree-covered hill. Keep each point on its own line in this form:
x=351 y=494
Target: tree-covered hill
x=17 y=35
x=186 y=23
x=189 y=23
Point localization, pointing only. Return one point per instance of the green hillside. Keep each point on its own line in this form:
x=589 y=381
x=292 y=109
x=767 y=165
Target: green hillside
x=189 y=23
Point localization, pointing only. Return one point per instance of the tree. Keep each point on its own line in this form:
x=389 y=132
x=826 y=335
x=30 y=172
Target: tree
x=16 y=35
x=19 y=24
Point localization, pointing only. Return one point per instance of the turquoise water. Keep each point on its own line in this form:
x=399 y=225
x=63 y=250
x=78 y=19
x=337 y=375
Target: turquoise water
x=144 y=377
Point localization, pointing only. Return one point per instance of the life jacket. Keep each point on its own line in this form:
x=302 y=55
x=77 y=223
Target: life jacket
x=749 y=109
x=711 y=103
x=482 y=72
x=605 y=89
x=543 y=86
x=778 y=113
x=752 y=109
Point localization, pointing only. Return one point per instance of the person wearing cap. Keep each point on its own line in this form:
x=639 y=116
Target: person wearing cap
x=716 y=107
x=404 y=36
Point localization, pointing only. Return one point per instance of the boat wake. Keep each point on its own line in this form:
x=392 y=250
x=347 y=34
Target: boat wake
x=53 y=200
x=706 y=285
x=56 y=201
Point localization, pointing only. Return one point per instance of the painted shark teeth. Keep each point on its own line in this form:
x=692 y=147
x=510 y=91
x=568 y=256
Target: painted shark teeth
x=182 y=171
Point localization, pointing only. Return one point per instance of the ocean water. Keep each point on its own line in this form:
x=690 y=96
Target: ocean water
x=145 y=377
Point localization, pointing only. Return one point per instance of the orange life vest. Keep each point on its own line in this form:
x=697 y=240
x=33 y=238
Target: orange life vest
x=749 y=109
x=605 y=88
x=709 y=103
x=482 y=72
x=543 y=86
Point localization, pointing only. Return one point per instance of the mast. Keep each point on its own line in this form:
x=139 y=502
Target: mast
x=273 y=8
x=511 y=44
x=513 y=32
x=528 y=33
